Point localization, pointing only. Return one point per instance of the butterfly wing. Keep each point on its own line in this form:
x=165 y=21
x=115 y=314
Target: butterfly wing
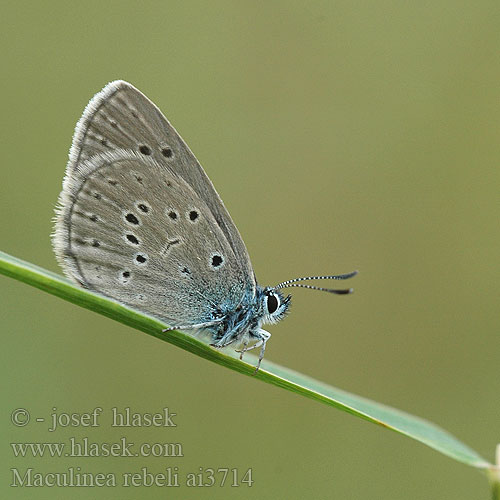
x=140 y=221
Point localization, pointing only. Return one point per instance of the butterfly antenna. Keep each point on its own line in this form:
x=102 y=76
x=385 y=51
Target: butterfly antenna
x=293 y=283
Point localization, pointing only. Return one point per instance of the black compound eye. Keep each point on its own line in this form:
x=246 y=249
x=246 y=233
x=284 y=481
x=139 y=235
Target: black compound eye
x=272 y=303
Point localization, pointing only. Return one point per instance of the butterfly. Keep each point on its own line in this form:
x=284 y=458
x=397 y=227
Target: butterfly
x=138 y=220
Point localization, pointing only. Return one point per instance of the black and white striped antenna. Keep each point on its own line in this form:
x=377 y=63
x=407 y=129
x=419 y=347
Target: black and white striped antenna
x=293 y=283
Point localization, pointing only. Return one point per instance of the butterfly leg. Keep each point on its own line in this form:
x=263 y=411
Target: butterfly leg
x=191 y=327
x=245 y=348
x=264 y=337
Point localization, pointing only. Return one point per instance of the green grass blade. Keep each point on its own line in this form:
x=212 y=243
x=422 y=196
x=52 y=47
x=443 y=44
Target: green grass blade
x=393 y=419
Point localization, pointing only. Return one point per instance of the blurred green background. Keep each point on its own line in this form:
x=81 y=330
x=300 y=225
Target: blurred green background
x=341 y=135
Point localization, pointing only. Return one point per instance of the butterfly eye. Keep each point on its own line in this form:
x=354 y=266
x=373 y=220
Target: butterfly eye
x=272 y=303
